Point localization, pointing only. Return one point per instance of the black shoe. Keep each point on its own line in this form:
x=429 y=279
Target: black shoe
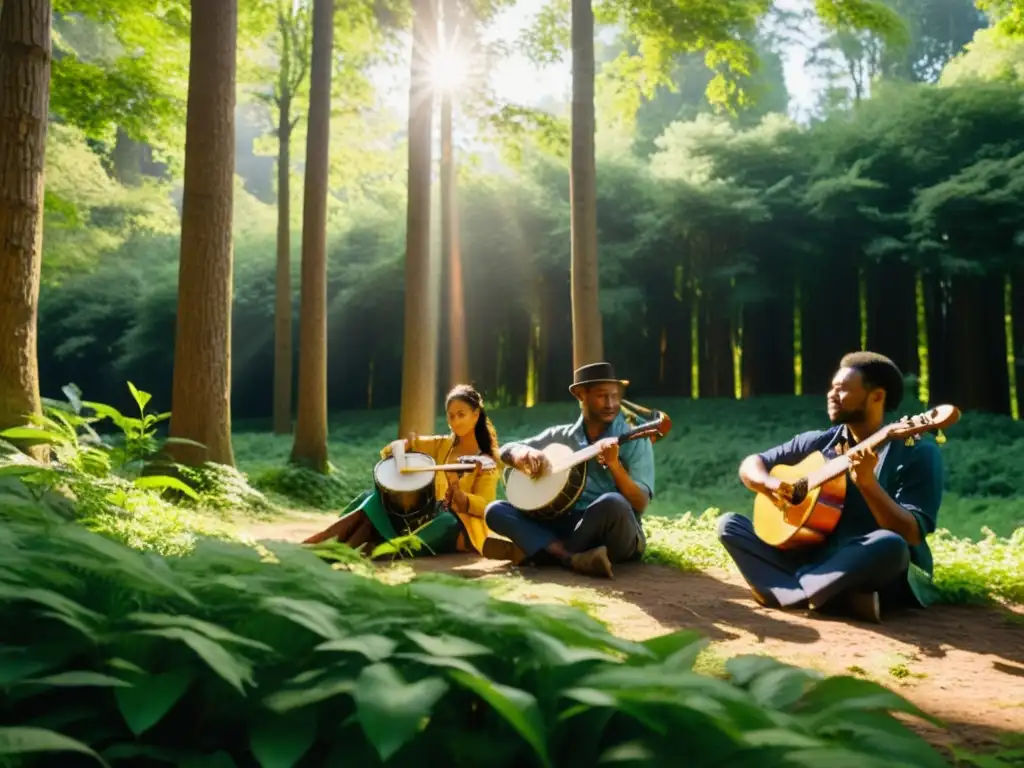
x=865 y=606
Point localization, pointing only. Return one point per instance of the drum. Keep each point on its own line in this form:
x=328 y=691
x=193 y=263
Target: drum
x=409 y=499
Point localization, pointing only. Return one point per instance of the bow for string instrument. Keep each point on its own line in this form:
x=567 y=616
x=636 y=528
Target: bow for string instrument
x=819 y=485
x=554 y=493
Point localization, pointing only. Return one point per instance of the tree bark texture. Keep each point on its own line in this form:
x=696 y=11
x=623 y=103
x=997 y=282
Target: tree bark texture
x=458 y=356
x=201 y=390
x=419 y=359
x=310 y=447
x=25 y=55
x=587 y=332
x=283 y=278
x=716 y=371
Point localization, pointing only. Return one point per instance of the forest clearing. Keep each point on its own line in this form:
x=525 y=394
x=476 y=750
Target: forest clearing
x=511 y=383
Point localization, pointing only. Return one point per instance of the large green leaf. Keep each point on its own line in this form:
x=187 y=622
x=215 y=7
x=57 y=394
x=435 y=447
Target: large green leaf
x=232 y=668
x=280 y=740
x=390 y=710
x=145 y=704
x=19 y=663
x=447 y=645
x=373 y=647
x=26 y=741
x=780 y=688
x=297 y=698
x=833 y=697
x=552 y=652
x=317 y=617
x=163 y=483
x=211 y=631
x=518 y=707
x=79 y=678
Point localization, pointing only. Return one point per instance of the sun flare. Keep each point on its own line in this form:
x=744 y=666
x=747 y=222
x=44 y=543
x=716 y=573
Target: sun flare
x=448 y=70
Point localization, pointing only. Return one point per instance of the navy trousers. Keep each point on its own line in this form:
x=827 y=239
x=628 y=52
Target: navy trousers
x=787 y=579
x=608 y=520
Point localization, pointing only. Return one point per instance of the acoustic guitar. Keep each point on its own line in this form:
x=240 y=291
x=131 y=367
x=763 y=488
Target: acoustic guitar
x=819 y=485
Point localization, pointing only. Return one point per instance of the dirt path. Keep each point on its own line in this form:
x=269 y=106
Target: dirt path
x=964 y=664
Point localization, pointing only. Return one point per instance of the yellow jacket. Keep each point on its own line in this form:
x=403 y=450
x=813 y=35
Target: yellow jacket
x=480 y=486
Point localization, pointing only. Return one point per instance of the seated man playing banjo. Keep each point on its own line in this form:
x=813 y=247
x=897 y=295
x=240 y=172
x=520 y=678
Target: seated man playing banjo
x=877 y=554
x=602 y=526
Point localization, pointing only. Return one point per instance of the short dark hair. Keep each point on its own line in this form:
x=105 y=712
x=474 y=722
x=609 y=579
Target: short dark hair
x=877 y=371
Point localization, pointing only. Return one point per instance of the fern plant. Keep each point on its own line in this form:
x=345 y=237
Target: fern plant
x=79 y=451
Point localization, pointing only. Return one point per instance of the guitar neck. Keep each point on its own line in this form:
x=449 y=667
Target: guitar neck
x=586 y=454
x=837 y=466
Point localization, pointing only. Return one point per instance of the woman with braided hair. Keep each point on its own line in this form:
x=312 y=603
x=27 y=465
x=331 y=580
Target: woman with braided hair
x=459 y=523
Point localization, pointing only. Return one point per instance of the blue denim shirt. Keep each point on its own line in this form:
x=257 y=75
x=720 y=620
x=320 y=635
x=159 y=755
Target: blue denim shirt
x=637 y=456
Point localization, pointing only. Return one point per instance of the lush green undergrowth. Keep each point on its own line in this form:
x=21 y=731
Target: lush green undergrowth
x=123 y=483
x=229 y=657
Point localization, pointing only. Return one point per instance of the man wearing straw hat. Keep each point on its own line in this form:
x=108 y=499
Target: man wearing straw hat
x=603 y=526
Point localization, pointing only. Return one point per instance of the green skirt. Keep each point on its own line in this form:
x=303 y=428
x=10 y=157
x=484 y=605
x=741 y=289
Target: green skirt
x=437 y=537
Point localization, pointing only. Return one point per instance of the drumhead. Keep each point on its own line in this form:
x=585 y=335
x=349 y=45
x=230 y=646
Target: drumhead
x=387 y=475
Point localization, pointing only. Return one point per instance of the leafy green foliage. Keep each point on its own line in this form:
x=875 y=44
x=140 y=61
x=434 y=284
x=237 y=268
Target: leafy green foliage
x=119 y=483
x=122 y=65
x=290 y=662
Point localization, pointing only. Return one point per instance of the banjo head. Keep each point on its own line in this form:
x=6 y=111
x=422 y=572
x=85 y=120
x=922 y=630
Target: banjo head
x=527 y=494
x=387 y=475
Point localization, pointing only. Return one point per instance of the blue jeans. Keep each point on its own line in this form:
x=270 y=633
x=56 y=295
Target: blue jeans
x=609 y=520
x=789 y=578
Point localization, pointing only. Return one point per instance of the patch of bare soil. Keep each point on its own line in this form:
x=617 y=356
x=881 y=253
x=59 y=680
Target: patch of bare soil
x=963 y=664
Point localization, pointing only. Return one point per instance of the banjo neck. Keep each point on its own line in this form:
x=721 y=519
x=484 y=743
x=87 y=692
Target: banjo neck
x=657 y=427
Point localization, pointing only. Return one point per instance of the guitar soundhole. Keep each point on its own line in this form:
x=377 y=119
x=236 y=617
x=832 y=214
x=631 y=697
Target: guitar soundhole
x=799 y=491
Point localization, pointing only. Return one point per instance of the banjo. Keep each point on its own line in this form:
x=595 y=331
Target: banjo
x=553 y=494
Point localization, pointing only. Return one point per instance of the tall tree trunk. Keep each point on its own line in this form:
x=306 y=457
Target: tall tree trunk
x=201 y=391
x=978 y=334
x=24 y=102
x=458 y=356
x=940 y=340
x=1017 y=320
x=310 y=447
x=768 y=344
x=892 y=315
x=419 y=359
x=716 y=368
x=283 y=277
x=283 y=282
x=587 y=333
x=830 y=316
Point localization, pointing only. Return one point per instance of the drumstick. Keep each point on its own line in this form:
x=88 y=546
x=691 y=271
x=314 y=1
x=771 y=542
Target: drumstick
x=441 y=468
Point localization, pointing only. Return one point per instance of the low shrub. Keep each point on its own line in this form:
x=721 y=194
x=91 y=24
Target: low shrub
x=121 y=483
x=231 y=657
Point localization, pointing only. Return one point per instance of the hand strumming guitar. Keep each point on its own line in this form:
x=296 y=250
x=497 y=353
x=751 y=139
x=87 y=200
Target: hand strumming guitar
x=532 y=462
x=779 y=490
